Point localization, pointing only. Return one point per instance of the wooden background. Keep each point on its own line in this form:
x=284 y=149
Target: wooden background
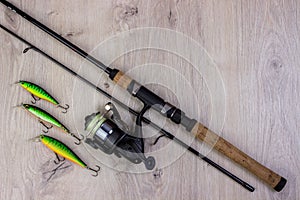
x=255 y=45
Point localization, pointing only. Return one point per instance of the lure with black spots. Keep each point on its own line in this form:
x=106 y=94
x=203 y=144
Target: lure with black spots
x=63 y=150
x=38 y=93
x=44 y=116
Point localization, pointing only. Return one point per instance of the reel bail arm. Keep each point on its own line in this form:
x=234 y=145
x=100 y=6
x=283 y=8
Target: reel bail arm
x=105 y=134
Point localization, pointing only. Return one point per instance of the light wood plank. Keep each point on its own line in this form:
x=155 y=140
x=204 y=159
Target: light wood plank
x=255 y=45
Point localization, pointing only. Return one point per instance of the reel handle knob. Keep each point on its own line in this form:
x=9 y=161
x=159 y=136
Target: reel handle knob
x=149 y=163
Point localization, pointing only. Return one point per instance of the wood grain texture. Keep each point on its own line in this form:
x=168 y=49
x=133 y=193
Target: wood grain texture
x=255 y=45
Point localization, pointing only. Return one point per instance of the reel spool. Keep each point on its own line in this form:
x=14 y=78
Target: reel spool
x=107 y=132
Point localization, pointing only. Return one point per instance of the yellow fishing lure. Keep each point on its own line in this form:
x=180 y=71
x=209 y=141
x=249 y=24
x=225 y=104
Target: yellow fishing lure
x=44 y=116
x=38 y=93
x=64 y=151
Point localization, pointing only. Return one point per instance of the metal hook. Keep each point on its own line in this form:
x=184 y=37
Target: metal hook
x=77 y=138
x=65 y=109
x=29 y=48
x=94 y=170
x=58 y=159
x=47 y=127
x=35 y=99
x=154 y=143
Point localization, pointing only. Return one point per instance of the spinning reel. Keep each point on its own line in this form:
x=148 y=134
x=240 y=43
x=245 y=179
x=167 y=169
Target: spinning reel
x=107 y=132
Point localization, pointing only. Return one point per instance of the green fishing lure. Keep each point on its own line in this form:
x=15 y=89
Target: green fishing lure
x=63 y=150
x=44 y=116
x=38 y=93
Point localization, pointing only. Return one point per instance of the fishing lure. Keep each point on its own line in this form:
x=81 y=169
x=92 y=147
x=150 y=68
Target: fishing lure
x=63 y=150
x=38 y=93
x=44 y=116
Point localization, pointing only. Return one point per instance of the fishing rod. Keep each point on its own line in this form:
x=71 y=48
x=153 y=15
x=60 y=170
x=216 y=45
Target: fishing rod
x=153 y=101
x=132 y=111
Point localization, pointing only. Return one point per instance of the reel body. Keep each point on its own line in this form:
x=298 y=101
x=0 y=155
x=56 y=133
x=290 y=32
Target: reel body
x=108 y=133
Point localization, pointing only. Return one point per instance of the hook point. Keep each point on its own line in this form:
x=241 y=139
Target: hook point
x=65 y=108
x=58 y=159
x=47 y=127
x=77 y=138
x=95 y=170
x=36 y=99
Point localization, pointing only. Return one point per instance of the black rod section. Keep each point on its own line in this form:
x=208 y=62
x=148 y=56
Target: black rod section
x=135 y=113
x=58 y=37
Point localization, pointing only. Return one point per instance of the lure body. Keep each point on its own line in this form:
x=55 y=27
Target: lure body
x=61 y=149
x=44 y=116
x=38 y=91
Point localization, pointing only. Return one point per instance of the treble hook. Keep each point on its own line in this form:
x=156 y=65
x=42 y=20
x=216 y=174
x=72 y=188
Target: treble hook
x=47 y=127
x=65 y=109
x=94 y=170
x=58 y=159
x=77 y=138
x=29 y=48
x=35 y=99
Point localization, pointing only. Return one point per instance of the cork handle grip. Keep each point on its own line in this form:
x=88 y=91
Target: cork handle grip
x=122 y=80
x=218 y=143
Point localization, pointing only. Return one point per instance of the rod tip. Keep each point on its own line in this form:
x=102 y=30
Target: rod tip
x=250 y=188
